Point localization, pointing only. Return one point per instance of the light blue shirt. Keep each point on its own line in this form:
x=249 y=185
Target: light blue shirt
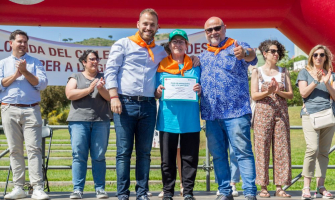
x=178 y=116
x=21 y=91
x=130 y=68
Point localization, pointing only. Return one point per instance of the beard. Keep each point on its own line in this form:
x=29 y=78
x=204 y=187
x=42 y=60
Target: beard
x=147 y=35
x=214 y=40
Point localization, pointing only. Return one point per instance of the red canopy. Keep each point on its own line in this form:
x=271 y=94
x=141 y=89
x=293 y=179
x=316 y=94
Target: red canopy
x=305 y=22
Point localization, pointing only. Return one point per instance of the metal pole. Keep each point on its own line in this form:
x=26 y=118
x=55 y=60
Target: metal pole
x=4 y=153
x=208 y=164
x=299 y=176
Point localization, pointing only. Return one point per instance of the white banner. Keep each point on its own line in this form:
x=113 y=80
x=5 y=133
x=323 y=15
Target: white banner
x=60 y=59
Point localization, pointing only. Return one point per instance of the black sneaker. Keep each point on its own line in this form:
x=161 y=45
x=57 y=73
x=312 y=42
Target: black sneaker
x=123 y=197
x=76 y=195
x=249 y=197
x=167 y=198
x=189 y=197
x=144 y=197
x=223 y=197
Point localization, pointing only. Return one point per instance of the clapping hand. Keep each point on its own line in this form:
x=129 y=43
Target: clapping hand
x=101 y=83
x=92 y=85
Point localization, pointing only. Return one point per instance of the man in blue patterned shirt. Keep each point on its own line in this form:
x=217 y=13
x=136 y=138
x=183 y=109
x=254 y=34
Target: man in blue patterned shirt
x=225 y=106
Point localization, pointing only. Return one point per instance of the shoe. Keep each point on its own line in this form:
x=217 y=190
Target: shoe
x=167 y=198
x=189 y=197
x=235 y=192
x=101 y=194
x=149 y=194
x=223 y=197
x=281 y=193
x=249 y=197
x=304 y=195
x=17 y=193
x=144 y=197
x=38 y=193
x=217 y=193
x=318 y=194
x=123 y=197
x=76 y=195
x=161 y=195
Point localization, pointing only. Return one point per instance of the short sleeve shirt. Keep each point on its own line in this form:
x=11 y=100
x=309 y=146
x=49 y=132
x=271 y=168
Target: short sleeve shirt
x=319 y=99
x=92 y=107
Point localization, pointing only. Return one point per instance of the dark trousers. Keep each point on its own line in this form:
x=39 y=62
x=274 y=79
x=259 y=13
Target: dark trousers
x=189 y=153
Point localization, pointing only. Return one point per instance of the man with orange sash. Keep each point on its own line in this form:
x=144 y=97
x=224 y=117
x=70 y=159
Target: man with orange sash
x=225 y=106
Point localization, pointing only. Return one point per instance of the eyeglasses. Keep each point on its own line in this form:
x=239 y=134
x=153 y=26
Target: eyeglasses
x=216 y=28
x=94 y=59
x=273 y=51
x=181 y=42
x=315 y=55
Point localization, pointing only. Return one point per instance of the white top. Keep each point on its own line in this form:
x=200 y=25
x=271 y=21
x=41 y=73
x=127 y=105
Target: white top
x=267 y=78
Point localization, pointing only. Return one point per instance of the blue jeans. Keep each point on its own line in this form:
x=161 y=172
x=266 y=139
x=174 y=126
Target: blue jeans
x=234 y=170
x=89 y=137
x=235 y=131
x=137 y=121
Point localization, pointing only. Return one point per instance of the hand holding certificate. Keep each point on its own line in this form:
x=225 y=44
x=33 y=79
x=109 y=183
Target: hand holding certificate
x=179 y=89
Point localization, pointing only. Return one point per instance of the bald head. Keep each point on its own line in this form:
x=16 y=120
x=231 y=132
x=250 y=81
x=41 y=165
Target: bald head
x=215 y=31
x=213 y=21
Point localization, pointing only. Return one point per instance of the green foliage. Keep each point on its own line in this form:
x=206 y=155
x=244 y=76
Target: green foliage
x=96 y=42
x=289 y=63
x=162 y=36
x=65 y=40
x=297 y=99
x=58 y=117
x=53 y=101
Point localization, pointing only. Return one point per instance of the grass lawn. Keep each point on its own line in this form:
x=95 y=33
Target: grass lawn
x=62 y=137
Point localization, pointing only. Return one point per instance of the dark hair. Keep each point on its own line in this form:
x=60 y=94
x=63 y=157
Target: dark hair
x=150 y=11
x=13 y=34
x=84 y=56
x=265 y=47
x=166 y=47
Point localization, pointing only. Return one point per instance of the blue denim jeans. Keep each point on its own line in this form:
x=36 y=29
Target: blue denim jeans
x=89 y=137
x=234 y=170
x=137 y=121
x=235 y=131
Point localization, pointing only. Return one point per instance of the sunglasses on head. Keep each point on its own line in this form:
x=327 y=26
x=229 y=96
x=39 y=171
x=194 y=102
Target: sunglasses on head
x=216 y=28
x=315 y=55
x=273 y=51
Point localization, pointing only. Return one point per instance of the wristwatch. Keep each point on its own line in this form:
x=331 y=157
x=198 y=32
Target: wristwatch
x=246 y=52
x=316 y=82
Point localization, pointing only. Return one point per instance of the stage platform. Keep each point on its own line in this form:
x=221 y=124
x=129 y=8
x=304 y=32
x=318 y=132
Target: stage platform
x=199 y=195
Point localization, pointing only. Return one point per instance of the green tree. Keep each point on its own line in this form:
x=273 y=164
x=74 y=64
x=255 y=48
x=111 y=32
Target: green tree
x=70 y=39
x=110 y=37
x=65 y=40
x=53 y=98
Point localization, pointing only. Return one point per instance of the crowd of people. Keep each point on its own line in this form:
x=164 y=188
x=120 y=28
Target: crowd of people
x=127 y=92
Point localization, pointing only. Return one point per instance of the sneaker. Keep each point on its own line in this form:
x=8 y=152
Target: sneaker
x=161 y=195
x=101 y=194
x=149 y=194
x=76 y=195
x=189 y=197
x=144 y=197
x=38 y=193
x=235 y=192
x=249 y=197
x=17 y=193
x=167 y=198
x=223 y=197
x=217 y=193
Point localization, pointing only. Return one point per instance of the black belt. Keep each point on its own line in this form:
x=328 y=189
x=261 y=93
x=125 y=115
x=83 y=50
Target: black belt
x=20 y=105
x=136 y=98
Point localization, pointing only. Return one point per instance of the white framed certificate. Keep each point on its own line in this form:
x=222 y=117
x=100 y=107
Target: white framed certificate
x=179 y=89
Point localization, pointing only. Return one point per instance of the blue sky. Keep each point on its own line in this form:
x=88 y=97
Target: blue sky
x=252 y=36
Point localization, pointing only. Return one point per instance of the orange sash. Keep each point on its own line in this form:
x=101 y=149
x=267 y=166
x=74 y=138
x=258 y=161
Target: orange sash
x=218 y=49
x=171 y=66
x=138 y=40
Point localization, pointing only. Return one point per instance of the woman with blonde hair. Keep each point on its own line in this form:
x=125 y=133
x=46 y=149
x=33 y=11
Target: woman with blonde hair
x=270 y=88
x=317 y=92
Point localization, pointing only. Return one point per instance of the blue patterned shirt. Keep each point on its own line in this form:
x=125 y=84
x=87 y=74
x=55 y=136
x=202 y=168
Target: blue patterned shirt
x=224 y=82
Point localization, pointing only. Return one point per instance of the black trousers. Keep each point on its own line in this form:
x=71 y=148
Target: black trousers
x=189 y=153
